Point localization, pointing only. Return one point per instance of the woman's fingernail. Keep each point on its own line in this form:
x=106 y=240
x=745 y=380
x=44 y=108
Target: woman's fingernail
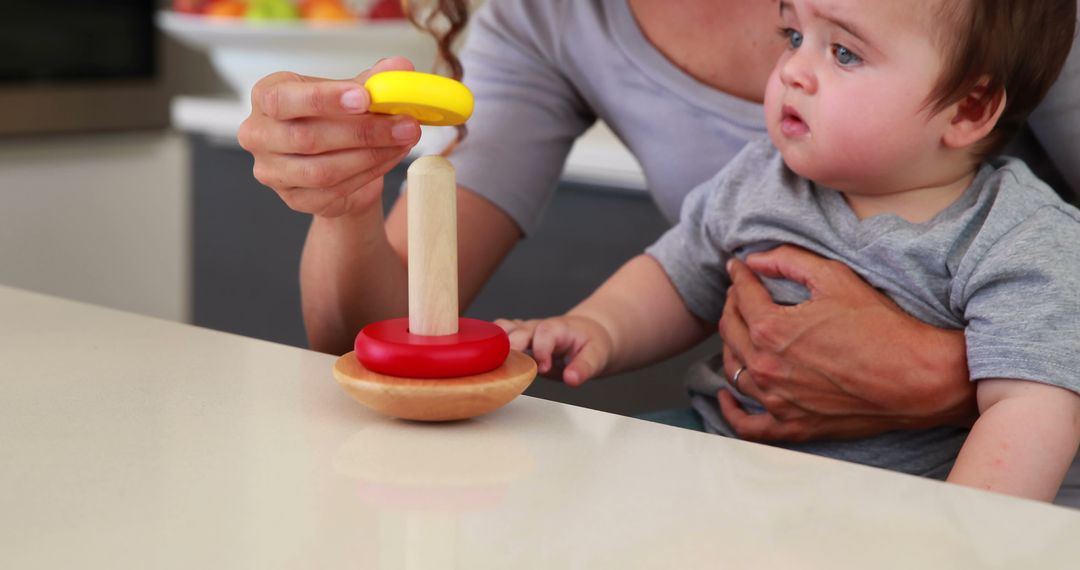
x=353 y=100
x=405 y=131
x=730 y=264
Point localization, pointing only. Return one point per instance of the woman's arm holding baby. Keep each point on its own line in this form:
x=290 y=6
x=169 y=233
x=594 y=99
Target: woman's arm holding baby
x=1024 y=440
x=635 y=318
x=846 y=363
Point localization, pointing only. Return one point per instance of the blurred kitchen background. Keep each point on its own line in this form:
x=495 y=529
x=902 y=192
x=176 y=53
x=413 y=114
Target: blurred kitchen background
x=123 y=184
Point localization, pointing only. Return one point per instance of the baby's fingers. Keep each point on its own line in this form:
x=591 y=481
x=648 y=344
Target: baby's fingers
x=518 y=331
x=543 y=343
x=552 y=337
x=585 y=364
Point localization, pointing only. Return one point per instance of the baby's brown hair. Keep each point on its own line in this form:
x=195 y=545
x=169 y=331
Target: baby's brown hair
x=1015 y=47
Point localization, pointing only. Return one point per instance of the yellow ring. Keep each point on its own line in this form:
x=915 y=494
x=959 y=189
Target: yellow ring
x=431 y=99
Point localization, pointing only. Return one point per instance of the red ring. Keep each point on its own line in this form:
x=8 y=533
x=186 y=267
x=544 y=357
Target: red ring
x=387 y=347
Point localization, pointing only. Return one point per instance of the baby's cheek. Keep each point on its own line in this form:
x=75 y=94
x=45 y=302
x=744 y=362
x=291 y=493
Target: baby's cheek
x=862 y=142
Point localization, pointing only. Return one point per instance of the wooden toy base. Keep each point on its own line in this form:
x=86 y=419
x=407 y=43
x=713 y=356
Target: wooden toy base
x=435 y=400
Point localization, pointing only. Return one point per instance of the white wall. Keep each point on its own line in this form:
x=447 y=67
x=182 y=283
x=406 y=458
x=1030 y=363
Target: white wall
x=101 y=218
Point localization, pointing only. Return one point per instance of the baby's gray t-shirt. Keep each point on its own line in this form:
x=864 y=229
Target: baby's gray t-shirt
x=1002 y=263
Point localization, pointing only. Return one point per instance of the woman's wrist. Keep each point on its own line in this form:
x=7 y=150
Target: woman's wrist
x=365 y=224
x=350 y=276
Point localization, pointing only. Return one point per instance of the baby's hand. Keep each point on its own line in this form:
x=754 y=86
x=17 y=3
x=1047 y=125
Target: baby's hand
x=580 y=340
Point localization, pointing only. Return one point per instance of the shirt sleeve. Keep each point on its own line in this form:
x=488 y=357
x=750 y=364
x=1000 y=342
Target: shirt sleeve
x=1022 y=303
x=527 y=114
x=690 y=253
x=1056 y=122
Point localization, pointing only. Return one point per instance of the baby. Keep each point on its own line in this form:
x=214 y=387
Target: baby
x=881 y=116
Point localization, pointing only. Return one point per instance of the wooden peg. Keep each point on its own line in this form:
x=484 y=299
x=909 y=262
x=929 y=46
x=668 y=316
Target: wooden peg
x=433 y=260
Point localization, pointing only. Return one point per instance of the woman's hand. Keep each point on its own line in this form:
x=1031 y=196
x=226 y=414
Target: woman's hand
x=846 y=363
x=317 y=147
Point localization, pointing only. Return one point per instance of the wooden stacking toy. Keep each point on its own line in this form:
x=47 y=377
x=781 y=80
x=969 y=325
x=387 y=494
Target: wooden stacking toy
x=433 y=365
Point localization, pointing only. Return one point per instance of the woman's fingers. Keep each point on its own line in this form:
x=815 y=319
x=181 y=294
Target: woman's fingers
x=285 y=95
x=735 y=415
x=309 y=136
x=735 y=334
x=298 y=96
x=320 y=171
x=739 y=348
x=749 y=296
x=809 y=427
x=759 y=427
x=314 y=143
x=747 y=384
x=759 y=329
x=818 y=274
x=788 y=262
x=350 y=195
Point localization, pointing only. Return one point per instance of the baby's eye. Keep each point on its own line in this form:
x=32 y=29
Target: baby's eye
x=794 y=37
x=845 y=56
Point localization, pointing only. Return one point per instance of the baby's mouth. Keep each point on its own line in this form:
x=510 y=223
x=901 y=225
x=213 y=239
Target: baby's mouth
x=791 y=123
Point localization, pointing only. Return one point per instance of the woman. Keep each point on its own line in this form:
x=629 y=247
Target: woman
x=681 y=84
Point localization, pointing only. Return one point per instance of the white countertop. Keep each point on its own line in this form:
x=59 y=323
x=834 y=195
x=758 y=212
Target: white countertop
x=597 y=158
x=130 y=442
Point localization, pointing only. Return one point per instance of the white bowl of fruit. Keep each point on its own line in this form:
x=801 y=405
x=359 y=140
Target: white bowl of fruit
x=249 y=39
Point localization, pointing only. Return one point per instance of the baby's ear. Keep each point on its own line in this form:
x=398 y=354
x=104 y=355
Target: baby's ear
x=974 y=116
